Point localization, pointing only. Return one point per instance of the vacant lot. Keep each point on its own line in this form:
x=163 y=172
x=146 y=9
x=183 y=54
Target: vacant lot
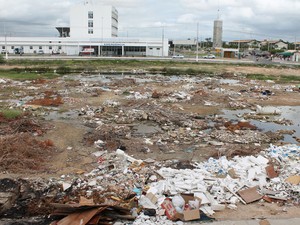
x=55 y=115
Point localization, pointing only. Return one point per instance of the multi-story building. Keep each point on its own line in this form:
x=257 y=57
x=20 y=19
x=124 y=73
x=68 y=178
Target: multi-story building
x=93 y=20
x=93 y=31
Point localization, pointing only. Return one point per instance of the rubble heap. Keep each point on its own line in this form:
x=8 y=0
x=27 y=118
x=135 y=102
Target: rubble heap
x=122 y=187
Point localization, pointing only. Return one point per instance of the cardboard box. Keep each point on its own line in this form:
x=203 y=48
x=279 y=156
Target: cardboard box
x=171 y=212
x=191 y=214
x=187 y=215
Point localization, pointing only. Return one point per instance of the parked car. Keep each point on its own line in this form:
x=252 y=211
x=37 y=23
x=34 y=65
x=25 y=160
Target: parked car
x=209 y=56
x=40 y=52
x=177 y=56
x=18 y=51
x=3 y=51
x=87 y=51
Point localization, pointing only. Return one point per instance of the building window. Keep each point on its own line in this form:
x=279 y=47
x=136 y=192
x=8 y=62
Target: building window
x=50 y=47
x=90 y=23
x=90 y=15
x=40 y=47
x=157 y=48
x=59 y=47
x=90 y=31
x=12 y=47
x=31 y=47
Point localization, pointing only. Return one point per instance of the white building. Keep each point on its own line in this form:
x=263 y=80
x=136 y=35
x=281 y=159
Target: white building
x=93 y=20
x=73 y=46
x=93 y=27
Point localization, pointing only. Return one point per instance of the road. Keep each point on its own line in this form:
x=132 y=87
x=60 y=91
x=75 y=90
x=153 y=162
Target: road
x=249 y=60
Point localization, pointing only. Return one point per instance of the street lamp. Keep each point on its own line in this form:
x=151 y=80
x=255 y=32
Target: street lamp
x=197 y=42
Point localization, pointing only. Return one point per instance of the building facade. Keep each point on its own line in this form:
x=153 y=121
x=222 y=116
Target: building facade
x=73 y=46
x=93 y=31
x=91 y=20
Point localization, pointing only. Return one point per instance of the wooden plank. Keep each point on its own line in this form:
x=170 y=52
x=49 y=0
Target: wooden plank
x=80 y=218
x=250 y=195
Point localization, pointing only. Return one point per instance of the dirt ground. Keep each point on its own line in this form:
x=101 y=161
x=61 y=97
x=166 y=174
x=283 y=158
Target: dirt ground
x=74 y=130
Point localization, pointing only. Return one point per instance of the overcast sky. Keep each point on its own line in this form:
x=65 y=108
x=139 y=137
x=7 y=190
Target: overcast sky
x=177 y=19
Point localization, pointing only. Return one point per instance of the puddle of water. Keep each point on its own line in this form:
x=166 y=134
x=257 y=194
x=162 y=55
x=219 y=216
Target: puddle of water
x=146 y=129
x=109 y=78
x=55 y=115
x=288 y=112
x=89 y=78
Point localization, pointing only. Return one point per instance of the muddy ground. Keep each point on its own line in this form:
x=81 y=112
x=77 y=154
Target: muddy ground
x=166 y=118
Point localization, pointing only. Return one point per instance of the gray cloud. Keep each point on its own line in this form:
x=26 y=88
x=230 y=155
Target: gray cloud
x=177 y=18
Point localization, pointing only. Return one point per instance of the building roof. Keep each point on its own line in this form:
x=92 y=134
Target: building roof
x=272 y=41
x=243 y=41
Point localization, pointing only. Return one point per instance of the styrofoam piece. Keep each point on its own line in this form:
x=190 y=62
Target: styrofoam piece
x=66 y=185
x=202 y=196
x=267 y=110
x=129 y=158
x=207 y=210
x=218 y=207
x=232 y=206
x=178 y=203
x=99 y=153
x=146 y=203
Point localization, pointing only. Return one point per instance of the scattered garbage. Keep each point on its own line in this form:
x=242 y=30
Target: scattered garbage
x=267 y=110
x=158 y=156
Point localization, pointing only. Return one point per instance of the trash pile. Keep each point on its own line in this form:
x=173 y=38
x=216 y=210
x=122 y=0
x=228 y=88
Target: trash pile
x=217 y=184
x=177 y=160
x=123 y=188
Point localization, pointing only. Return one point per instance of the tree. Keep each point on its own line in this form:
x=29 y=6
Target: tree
x=208 y=42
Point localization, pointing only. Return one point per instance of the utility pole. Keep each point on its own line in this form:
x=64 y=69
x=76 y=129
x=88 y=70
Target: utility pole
x=163 y=37
x=102 y=28
x=174 y=48
x=197 y=42
x=6 y=55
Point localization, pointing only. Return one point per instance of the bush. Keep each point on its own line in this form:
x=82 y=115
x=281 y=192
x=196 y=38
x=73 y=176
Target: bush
x=11 y=113
x=62 y=70
x=2 y=59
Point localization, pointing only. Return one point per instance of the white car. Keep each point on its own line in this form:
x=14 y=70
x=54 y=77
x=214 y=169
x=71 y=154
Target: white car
x=4 y=52
x=209 y=56
x=177 y=56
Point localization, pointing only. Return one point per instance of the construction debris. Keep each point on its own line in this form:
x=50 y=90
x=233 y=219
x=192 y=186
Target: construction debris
x=159 y=152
